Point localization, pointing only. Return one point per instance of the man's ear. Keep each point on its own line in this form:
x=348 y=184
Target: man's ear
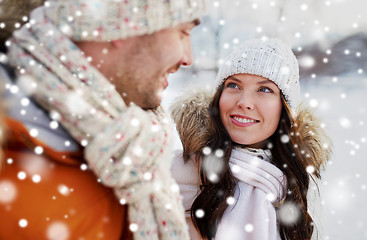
x=117 y=43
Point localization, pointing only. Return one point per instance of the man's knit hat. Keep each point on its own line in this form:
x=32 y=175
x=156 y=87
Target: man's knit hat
x=105 y=20
x=271 y=59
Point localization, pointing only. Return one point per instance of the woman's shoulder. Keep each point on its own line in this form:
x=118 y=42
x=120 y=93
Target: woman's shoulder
x=187 y=178
x=185 y=172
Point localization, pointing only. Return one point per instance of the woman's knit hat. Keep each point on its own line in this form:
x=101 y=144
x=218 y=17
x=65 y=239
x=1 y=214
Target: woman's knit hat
x=105 y=20
x=271 y=59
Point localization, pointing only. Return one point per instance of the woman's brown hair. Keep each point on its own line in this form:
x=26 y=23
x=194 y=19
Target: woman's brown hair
x=290 y=157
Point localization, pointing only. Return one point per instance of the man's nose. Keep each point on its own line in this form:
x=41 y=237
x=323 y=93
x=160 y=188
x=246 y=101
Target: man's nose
x=187 y=58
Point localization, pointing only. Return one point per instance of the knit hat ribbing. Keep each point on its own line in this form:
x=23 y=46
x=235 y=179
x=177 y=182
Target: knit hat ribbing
x=104 y=20
x=271 y=59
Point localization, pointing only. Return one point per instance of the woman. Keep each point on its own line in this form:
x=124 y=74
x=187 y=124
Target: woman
x=248 y=154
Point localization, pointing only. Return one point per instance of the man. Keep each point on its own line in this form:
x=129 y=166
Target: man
x=91 y=67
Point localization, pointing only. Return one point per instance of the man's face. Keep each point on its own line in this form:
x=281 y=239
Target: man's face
x=141 y=70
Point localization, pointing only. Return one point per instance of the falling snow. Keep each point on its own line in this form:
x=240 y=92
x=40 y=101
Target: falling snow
x=289 y=213
x=23 y=223
x=340 y=100
x=231 y=200
x=22 y=175
x=58 y=230
x=133 y=227
x=8 y=191
x=36 y=178
x=213 y=164
x=64 y=190
x=249 y=227
x=199 y=213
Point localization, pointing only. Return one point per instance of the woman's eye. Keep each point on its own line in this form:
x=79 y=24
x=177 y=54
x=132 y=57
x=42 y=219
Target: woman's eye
x=231 y=85
x=265 y=90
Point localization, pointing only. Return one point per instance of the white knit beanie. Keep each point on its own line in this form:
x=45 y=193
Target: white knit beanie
x=105 y=20
x=271 y=59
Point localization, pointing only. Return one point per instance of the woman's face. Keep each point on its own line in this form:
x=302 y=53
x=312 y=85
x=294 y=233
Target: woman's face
x=250 y=108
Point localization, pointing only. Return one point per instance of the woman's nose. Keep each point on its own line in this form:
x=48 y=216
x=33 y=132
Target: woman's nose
x=246 y=101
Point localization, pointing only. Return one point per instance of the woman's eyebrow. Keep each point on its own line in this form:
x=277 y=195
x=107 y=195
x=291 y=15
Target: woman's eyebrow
x=234 y=78
x=266 y=82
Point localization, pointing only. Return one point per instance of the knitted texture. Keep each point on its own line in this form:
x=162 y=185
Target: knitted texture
x=271 y=59
x=127 y=148
x=104 y=20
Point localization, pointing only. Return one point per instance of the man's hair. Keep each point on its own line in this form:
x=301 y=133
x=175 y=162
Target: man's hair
x=13 y=14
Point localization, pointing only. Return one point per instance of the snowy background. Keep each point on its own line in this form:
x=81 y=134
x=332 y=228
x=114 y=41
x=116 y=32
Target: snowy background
x=330 y=41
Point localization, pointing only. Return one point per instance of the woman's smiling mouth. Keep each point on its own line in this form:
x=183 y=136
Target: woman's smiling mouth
x=243 y=121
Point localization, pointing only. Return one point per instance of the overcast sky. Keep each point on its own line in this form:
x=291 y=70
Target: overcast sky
x=297 y=21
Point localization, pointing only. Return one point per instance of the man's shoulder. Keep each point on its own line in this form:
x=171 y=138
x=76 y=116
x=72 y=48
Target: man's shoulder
x=20 y=106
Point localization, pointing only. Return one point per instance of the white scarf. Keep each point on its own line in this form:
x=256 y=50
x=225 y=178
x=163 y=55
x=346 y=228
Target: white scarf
x=126 y=147
x=260 y=185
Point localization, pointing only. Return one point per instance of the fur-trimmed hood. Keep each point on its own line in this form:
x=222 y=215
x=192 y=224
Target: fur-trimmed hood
x=191 y=115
